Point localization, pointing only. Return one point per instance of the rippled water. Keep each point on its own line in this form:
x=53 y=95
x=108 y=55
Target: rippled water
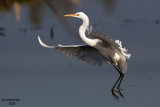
x=43 y=77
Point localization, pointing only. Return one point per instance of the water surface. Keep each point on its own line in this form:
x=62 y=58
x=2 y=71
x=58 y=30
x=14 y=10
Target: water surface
x=43 y=77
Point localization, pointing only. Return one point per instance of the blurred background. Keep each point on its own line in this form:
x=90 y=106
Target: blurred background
x=43 y=77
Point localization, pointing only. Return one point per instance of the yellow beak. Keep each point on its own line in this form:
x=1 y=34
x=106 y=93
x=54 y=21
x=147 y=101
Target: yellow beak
x=71 y=15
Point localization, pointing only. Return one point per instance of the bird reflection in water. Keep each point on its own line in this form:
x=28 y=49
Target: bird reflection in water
x=98 y=50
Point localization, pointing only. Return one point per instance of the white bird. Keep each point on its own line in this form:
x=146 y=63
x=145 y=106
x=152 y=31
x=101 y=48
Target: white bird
x=98 y=50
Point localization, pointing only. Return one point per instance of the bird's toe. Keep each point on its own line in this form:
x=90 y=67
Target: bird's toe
x=119 y=91
x=114 y=95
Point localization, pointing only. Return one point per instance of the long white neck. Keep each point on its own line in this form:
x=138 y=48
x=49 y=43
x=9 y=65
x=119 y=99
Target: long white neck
x=82 y=30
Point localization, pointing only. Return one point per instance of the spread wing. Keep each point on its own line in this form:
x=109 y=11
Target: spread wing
x=104 y=38
x=85 y=53
x=108 y=41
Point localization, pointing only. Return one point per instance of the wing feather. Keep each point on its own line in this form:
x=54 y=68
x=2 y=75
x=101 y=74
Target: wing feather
x=104 y=38
x=85 y=53
x=108 y=41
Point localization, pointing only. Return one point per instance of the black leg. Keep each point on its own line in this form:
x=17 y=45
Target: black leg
x=119 y=89
x=113 y=91
x=122 y=76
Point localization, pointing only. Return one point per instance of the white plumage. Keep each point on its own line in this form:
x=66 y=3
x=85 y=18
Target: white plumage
x=98 y=50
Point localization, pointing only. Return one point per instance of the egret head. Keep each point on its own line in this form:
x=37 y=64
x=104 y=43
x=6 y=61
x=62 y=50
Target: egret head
x=80 y=15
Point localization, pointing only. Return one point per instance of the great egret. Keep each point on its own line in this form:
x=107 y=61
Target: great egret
x=98 y=50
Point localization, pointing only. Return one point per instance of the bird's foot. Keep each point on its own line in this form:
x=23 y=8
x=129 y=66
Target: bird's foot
x=117 y=91
x=114 y=95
